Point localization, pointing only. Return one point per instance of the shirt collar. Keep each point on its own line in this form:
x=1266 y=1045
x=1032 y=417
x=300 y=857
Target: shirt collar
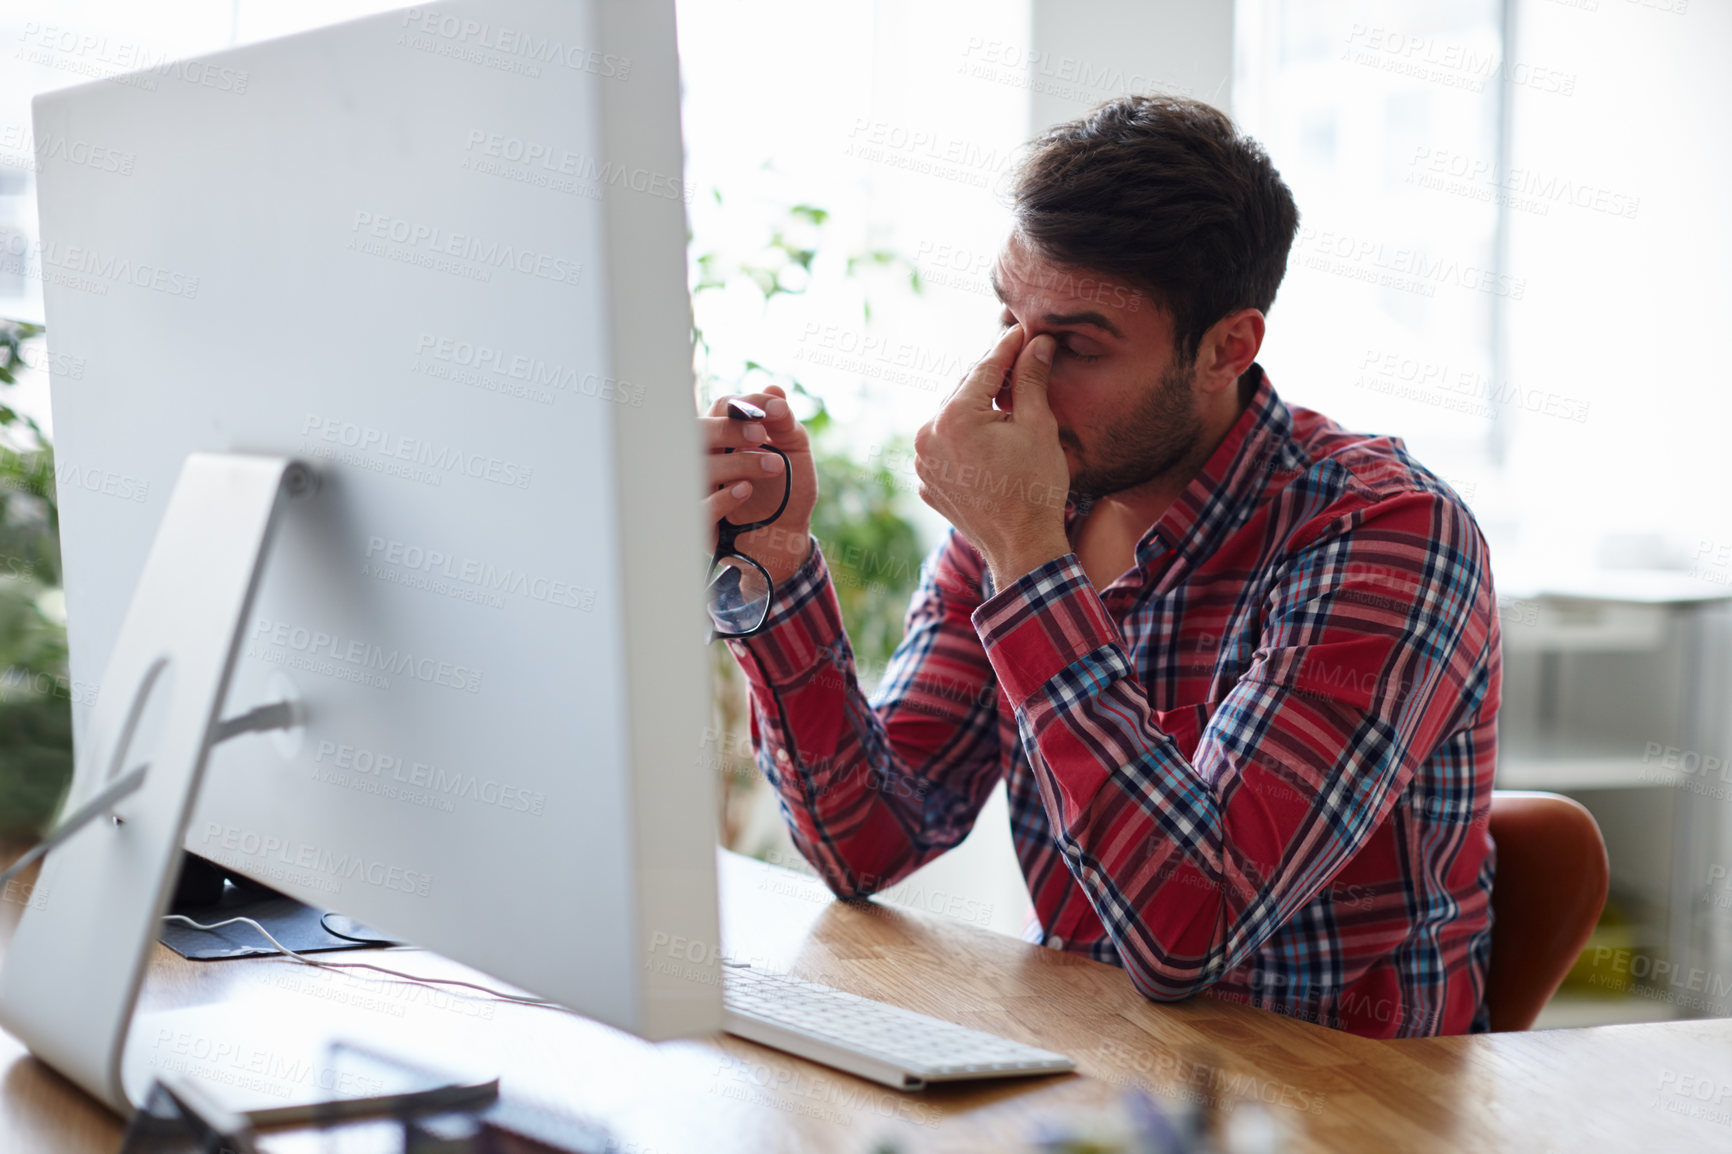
x=1227 y=487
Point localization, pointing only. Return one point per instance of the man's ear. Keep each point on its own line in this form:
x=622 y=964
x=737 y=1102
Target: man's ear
x=1227 y=349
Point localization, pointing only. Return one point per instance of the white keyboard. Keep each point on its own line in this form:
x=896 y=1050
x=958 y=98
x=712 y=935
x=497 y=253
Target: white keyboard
x=886 y=1044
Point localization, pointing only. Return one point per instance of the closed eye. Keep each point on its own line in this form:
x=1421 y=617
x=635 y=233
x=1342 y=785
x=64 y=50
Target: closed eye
x=1065 y=345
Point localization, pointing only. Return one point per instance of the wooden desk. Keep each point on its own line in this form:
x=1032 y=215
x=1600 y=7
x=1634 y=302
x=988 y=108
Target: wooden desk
x=1620 y=1087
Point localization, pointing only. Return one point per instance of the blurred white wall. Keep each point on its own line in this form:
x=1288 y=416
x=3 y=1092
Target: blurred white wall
x=1631 y=291
x=1086 y=51
x=1559 y=384
x=1384 y=312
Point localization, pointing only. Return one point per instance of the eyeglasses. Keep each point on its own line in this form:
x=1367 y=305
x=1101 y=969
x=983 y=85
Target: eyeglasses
x=738 y=590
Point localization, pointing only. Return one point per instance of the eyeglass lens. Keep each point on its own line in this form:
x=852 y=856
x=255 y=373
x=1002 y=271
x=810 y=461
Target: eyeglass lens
x=738 y=595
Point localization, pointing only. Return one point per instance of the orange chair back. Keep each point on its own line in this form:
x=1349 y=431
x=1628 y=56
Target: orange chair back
x=1546 y=898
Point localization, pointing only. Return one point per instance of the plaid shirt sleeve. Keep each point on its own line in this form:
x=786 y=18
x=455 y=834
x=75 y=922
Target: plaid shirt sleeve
x=1366 y=660
x=873 y=790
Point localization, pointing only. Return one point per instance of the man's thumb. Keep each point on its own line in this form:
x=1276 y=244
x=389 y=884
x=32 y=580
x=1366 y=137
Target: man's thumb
x=1033 y=366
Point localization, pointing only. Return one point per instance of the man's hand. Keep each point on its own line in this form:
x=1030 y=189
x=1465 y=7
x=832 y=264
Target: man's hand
x=999 y=475
x=746 y=484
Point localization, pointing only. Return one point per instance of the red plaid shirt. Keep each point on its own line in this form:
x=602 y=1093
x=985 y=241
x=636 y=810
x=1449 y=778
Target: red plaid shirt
x=1257 y=766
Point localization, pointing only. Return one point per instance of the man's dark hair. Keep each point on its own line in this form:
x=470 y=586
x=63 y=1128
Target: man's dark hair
x=1164 y=193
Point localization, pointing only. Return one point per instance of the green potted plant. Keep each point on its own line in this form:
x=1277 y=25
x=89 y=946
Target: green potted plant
x=35 y=692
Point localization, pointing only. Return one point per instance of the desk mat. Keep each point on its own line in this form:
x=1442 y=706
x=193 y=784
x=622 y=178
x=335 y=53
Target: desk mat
x=299 y=927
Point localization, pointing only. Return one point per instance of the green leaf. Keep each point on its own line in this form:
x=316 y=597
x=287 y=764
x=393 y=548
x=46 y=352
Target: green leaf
x=35 y=702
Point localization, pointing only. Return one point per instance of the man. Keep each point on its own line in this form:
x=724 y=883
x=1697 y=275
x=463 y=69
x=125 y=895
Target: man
x=1239 y=668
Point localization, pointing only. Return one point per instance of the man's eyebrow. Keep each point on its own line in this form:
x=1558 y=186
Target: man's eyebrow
x=1098 y=320
x=1061 y=320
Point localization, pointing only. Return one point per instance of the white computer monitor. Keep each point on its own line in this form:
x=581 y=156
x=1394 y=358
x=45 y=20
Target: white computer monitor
x=438 y=255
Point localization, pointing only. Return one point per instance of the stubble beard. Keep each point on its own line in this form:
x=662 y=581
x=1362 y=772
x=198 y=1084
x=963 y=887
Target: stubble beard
x=1157 y=435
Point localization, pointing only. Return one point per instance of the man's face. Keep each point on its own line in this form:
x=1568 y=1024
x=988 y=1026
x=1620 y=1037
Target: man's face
x=1124 y=403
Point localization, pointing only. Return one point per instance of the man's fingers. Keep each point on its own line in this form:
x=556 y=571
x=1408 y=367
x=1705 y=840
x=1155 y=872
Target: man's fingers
x=779 y=415
x=987 y=377
x=779 y=425
x=727 y=433
x=1028 y=379
x=724 y=501
x=726 y=468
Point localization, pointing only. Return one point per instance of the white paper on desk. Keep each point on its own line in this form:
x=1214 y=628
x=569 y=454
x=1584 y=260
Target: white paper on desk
x=274 y=1061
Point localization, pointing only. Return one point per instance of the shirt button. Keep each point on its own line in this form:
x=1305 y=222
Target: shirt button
x=1054 y=942
x=782 y=756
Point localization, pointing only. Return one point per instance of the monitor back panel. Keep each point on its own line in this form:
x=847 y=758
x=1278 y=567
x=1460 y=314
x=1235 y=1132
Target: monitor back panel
x=439 y=255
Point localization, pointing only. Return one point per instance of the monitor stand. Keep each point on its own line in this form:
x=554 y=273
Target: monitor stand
x=74 y=967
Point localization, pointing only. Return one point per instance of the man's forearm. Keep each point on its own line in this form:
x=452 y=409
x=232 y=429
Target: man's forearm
x=808 y=706
x=859 y=783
